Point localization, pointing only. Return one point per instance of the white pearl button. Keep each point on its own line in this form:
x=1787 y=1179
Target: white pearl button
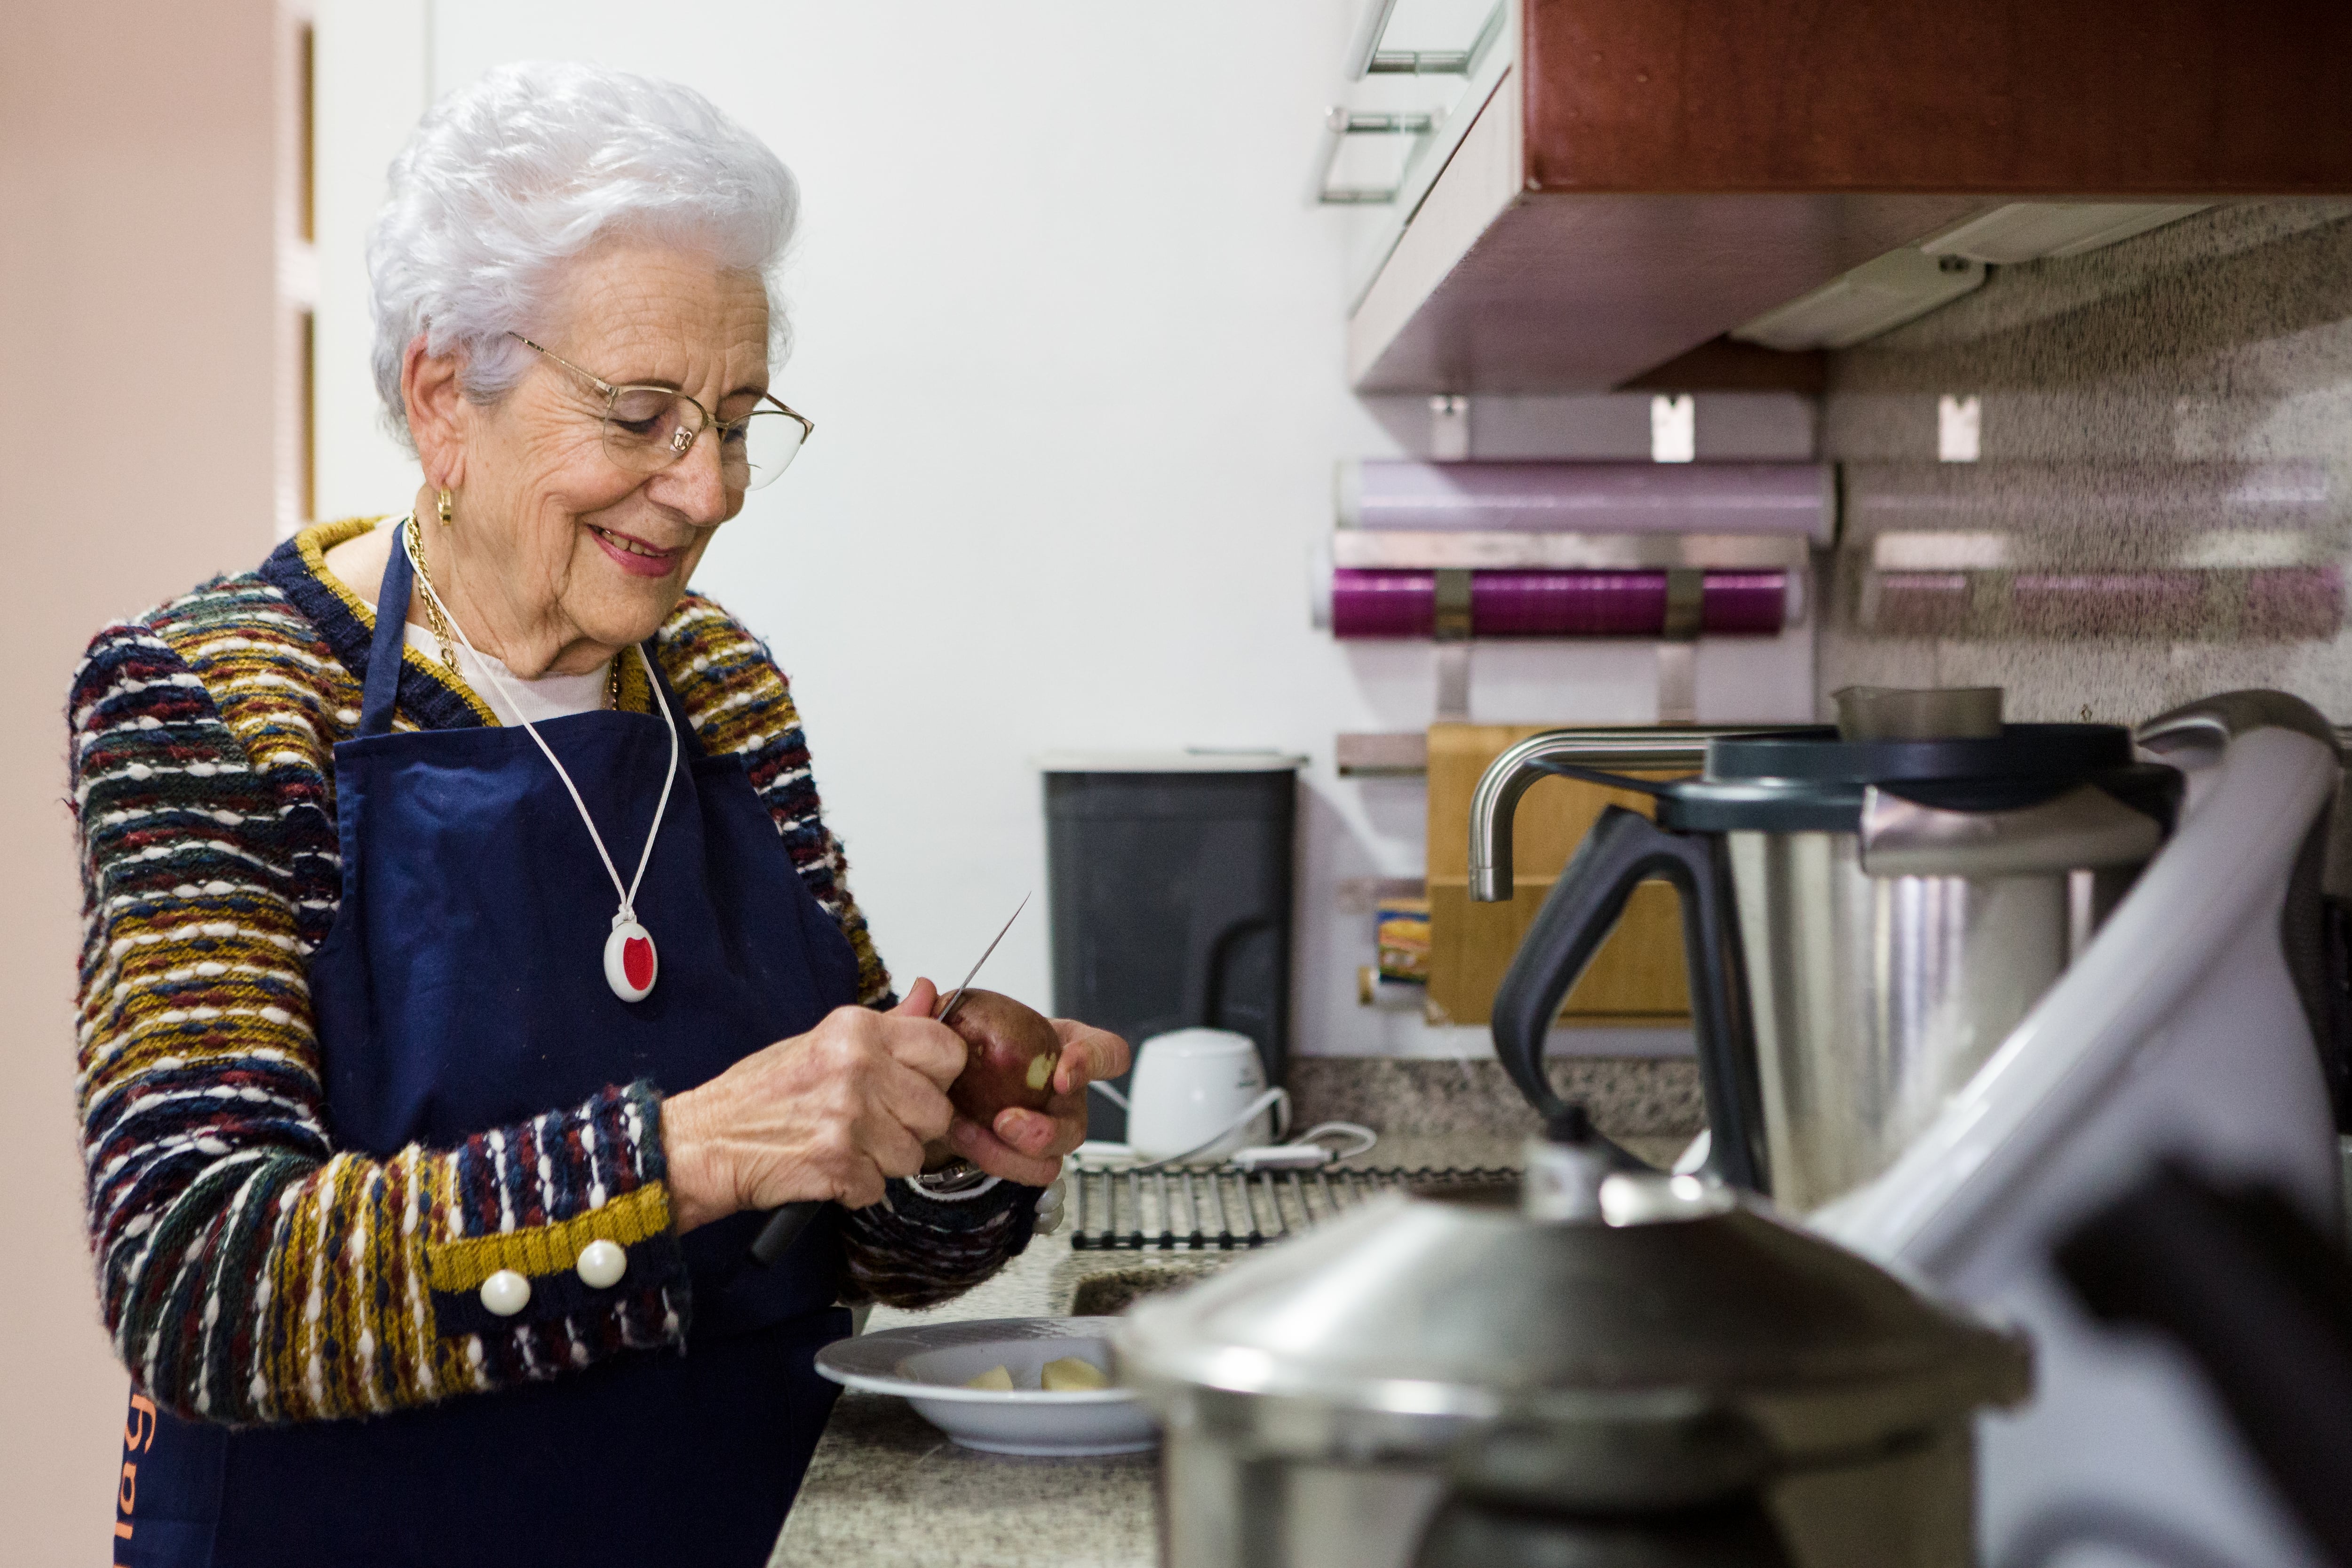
x=602 y=1263
x=505 y=1293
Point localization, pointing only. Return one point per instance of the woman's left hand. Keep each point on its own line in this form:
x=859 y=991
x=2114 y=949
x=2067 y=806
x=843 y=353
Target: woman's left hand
x=1027 y=1146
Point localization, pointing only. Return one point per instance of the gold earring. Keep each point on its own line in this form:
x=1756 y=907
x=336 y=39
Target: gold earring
x=445 y=505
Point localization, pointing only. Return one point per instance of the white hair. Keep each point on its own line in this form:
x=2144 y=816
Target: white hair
x=506 y=181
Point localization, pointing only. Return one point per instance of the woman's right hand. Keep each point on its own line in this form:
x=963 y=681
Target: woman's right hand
x=832 y=1113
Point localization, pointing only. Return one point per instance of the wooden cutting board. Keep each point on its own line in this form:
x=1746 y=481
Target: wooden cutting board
x=1637 y=976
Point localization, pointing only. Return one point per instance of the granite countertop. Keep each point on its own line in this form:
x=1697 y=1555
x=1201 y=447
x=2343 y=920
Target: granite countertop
x=886 y=1487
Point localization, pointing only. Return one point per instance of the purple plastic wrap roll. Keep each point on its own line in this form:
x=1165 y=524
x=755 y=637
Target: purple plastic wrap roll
x=1589 y=497
x=1745 y=604
x=1383 y=604
x=1555 y=604
x=1568 y=605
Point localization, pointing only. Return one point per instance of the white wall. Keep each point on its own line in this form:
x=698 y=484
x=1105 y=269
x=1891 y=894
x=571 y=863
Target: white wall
x=1073 y=341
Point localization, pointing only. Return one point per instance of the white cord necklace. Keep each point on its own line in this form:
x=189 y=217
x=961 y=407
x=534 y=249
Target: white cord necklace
x=631 y=964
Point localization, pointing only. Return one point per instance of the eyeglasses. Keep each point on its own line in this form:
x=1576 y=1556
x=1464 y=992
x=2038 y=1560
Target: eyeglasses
x=647 y=428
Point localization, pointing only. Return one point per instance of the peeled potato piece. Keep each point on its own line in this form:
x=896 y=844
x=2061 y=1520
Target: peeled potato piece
x=1073 y=1373
x=995 y=1378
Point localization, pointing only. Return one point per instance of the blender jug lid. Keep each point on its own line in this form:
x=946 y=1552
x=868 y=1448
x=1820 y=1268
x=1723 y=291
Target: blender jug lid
x=1455 y=1305
x=1812 y=780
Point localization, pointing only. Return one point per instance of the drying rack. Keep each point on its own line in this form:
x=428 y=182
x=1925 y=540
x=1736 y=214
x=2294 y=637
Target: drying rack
x=1223 y=1208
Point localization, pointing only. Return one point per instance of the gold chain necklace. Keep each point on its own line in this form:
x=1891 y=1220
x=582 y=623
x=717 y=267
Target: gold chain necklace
x=434 y=618
x=439 y=623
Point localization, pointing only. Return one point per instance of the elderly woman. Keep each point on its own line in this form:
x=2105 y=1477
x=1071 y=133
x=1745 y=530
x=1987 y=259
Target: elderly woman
x=468 y=962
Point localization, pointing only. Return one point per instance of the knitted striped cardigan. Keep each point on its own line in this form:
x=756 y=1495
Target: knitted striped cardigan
x=249 y=1269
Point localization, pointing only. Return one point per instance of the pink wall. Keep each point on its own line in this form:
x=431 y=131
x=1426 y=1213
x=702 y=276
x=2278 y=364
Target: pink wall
x=138 y=351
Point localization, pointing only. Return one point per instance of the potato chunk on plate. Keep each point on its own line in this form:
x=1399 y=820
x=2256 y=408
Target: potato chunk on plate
x=996 y=1378
x=1071 y=1373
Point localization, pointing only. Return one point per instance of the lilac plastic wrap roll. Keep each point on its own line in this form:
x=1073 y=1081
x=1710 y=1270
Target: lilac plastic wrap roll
x=1589 y=497
x=1555 y=604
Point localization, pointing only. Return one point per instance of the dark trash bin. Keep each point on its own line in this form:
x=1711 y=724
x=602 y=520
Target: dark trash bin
x=1170 y=879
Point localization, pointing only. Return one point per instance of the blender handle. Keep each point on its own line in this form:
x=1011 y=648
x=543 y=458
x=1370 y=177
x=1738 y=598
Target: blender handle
x=1623 y=850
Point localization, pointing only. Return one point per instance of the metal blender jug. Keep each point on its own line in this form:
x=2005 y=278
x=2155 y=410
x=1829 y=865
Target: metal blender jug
x=1868 y=910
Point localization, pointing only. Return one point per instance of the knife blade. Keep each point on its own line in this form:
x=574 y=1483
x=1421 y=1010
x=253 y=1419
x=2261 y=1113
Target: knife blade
x=785 y=1225
x=947 y=1010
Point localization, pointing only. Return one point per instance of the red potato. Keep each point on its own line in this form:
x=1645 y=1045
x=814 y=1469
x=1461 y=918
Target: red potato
x=1013 y=1053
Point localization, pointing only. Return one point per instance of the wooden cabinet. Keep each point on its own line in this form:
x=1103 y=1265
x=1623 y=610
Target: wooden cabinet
x=1634 y=178
x=1637 y=976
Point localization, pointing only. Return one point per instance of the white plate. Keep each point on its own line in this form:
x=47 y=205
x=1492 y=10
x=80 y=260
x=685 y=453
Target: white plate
x=927 y=1365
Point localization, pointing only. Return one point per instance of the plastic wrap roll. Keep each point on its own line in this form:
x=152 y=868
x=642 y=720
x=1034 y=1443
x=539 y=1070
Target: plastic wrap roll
x=1590 y=498
x=1556 y=603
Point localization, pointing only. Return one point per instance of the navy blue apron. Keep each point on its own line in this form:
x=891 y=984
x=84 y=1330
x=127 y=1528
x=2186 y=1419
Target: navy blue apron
x=461 y=988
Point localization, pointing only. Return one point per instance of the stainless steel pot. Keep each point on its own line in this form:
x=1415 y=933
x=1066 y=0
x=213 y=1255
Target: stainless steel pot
x=1865 y=921
x=1652 y=1342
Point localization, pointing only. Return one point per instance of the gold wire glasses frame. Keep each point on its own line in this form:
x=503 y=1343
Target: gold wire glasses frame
x=647 y=428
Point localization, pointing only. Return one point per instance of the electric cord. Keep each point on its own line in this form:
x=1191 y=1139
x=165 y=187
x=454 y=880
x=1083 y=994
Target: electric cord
x=1279 y=1100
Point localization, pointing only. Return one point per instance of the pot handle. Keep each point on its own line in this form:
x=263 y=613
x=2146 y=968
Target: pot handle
x=1623 y=850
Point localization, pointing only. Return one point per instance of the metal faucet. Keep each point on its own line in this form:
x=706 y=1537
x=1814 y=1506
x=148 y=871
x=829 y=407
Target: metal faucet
x=1496 y=800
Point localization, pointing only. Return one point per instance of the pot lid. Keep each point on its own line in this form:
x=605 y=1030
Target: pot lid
x=1679 y=1298
x=1815 y=781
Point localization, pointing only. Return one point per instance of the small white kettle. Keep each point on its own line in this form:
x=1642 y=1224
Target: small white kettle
x=1200 y=1094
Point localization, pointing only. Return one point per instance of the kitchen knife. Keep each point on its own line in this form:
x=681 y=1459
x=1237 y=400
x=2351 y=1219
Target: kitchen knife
x=785 y=1225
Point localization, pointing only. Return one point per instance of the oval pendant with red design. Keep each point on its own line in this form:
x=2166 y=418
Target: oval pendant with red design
x=630 y=964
